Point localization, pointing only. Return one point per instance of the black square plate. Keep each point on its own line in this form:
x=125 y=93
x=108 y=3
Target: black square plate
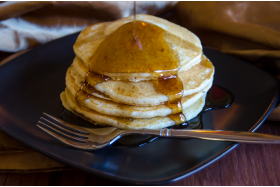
x=31 y=84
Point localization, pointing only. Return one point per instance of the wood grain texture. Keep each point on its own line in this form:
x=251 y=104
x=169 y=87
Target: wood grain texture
x=31 y=179
x=73 y=176
x=99 y=181
x=3 y=177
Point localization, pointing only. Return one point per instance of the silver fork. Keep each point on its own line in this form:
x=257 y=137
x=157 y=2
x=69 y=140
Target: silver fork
x=96 y=138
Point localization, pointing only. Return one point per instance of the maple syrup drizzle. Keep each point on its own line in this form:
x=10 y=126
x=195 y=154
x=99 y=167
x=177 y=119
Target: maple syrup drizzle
x=138 y=47
x=134 y=18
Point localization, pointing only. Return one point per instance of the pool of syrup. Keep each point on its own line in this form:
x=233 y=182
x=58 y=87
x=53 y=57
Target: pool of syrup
x=217 y=98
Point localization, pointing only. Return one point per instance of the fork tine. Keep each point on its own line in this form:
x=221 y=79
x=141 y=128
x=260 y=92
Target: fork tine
x=62 y=128
x=67 y=141
x=62 y=133
x=67 y=125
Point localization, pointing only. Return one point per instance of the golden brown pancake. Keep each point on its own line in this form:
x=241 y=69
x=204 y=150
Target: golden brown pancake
x=127 y=123
x=134 y=99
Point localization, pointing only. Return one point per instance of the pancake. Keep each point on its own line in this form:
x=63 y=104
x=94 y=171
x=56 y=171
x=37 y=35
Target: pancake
x=127 y=123
x=182 y=40
x=113 y=81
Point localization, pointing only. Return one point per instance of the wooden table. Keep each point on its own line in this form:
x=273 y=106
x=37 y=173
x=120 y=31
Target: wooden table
x=248 y=164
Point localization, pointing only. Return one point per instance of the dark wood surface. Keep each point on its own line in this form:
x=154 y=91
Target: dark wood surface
x=248 y=164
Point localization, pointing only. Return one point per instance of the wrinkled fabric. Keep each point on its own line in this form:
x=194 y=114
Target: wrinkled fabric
x=247 y=30
x=27 y=24
x=250 y=30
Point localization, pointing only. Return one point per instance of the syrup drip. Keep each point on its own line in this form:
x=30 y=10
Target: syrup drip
x=137 y=47
x=173 y=88
x=94 y=78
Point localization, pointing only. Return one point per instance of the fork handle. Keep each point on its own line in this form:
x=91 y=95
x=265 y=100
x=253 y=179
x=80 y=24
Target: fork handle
x=218 y=135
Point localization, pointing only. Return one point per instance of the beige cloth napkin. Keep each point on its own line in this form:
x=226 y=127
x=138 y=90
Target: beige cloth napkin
x=27 y=24
x=18 y=158
x=248 y=30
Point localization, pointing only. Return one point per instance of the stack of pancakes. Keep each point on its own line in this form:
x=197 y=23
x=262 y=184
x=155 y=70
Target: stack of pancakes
x=130 y=100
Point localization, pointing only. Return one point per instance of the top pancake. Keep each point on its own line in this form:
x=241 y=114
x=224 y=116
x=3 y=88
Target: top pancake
x=185 y=43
